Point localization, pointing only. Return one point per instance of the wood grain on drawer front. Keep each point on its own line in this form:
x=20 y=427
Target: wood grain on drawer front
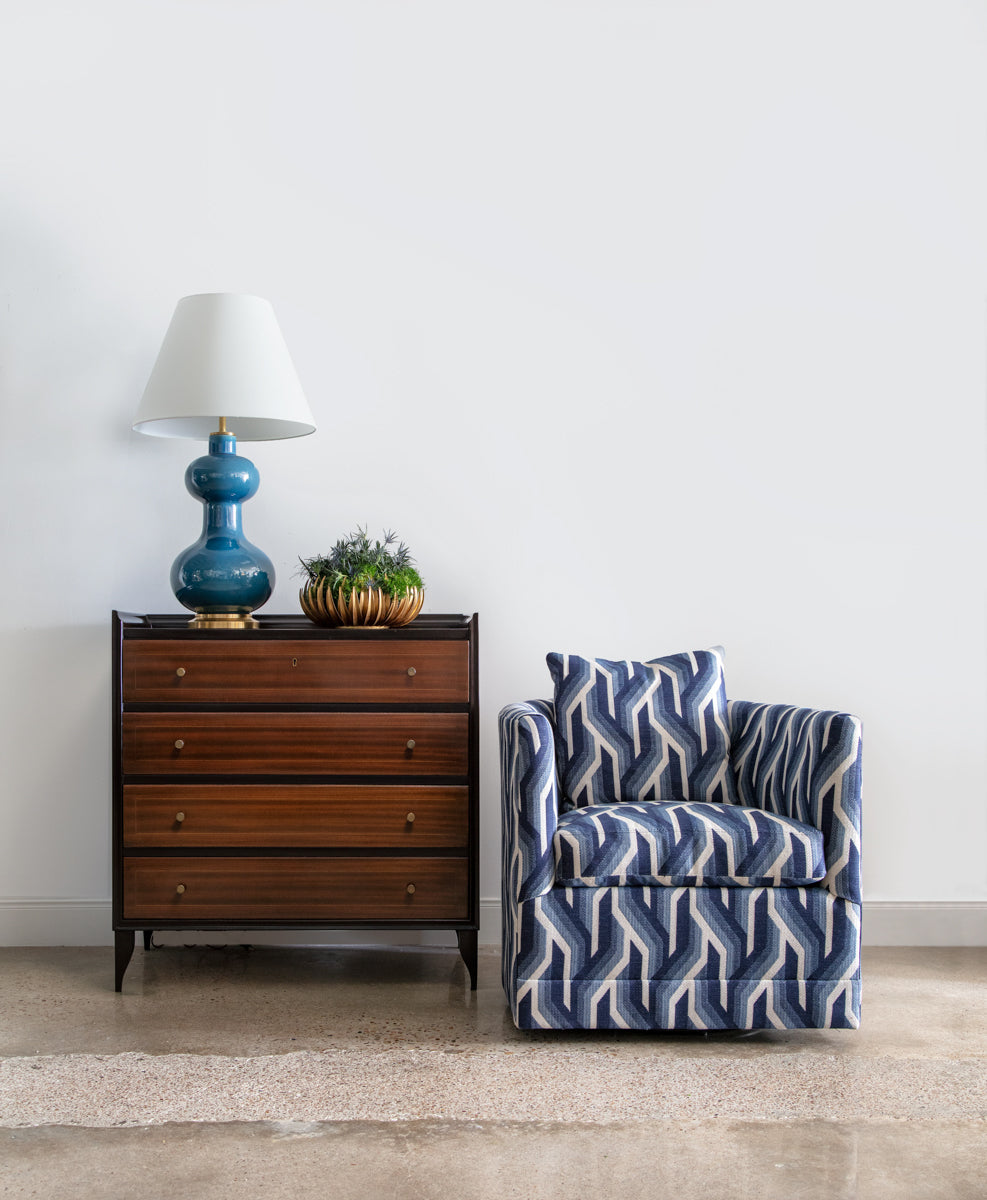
x=295 y=743
x=307 y=672
x=295 y=889
x=302 y=815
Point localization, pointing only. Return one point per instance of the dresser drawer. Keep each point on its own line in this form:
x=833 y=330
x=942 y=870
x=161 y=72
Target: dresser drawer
x=232 y=743
x=334 y=816
x=372 y=671
x=294 y=889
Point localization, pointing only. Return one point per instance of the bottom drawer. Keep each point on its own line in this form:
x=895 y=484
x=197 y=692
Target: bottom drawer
x=295 y=889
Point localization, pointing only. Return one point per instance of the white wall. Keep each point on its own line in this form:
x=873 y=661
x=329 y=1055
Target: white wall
x=647 y=325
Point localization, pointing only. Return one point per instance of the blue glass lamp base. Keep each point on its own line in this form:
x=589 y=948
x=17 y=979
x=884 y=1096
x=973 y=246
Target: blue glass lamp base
x=222 y=577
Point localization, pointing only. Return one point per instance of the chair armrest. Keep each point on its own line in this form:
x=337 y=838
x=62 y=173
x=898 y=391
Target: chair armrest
x=529 y=799
x=804 y=763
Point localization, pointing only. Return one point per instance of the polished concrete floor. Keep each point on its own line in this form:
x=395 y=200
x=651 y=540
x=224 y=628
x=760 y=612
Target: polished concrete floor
x=363 y=1072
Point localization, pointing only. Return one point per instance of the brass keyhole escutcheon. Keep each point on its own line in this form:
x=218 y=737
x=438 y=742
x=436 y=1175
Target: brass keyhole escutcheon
x=179 y=744
x=294 y=662
x=179 y=818
x=410 y=818
x=411 y=743
x=412 y=671
x=180 y=672
x=180 y=890
x=410 y=889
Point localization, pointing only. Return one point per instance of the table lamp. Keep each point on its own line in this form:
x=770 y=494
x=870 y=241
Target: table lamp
x=223 y=372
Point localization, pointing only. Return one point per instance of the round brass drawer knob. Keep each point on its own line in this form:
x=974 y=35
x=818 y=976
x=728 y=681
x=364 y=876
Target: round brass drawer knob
x=180 y=889
x=180 y=672
x=410 y=889
x=410 y=818
x=179 y=744
x=179 y=817
x=412 y=671
x=411 y=743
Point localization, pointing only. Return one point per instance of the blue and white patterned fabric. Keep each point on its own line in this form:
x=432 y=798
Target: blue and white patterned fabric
x=685 y=845
x=633 y=731
x=804 y=764
x=687 y=957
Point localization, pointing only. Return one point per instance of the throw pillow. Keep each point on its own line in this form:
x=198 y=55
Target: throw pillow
x=635 y=731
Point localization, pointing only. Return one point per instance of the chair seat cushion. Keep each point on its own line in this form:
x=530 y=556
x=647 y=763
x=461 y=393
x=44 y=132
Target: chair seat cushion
x=685 y=844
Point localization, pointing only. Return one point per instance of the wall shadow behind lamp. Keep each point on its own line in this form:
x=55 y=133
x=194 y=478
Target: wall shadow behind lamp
x=223 y=372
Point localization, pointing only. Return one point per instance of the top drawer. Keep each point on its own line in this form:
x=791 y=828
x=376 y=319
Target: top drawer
x=295 y=672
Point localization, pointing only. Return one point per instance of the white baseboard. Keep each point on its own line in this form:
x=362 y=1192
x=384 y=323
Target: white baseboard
x=89 y=923
x=925 y=923
x=56 y=923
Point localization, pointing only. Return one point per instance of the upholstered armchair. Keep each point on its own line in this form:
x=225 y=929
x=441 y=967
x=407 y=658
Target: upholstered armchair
x=672 y=861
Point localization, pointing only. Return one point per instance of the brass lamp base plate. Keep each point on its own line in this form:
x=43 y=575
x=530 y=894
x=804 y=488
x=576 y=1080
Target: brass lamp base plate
x=233 y=620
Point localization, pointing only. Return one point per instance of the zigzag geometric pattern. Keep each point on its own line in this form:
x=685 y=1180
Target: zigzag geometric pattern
x=805 y=764
x=687 y=957
x=692 y=1004
x=633 y=731
x=684 y=845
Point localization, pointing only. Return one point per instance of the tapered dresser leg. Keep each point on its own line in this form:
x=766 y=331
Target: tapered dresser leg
x=467 y=949
x=124 y=942
x=148 y=934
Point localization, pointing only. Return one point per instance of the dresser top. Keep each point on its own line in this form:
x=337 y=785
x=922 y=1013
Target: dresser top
x=176 y=625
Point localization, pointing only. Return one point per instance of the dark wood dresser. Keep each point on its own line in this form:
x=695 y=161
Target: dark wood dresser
x=293 y=777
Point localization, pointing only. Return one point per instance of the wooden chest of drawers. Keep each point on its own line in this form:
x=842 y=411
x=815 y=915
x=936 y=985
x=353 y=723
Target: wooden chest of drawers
x=294 y=777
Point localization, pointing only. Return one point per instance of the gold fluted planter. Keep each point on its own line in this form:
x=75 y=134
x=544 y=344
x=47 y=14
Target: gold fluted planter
x=368 y=608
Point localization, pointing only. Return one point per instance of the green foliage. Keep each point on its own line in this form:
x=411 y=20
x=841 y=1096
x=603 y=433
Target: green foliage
x=355 y=563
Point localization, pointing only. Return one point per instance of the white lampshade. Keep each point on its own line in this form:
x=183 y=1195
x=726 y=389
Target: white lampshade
x=224 y=356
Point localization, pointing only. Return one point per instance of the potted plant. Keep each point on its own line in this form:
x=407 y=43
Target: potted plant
x=360 y=582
